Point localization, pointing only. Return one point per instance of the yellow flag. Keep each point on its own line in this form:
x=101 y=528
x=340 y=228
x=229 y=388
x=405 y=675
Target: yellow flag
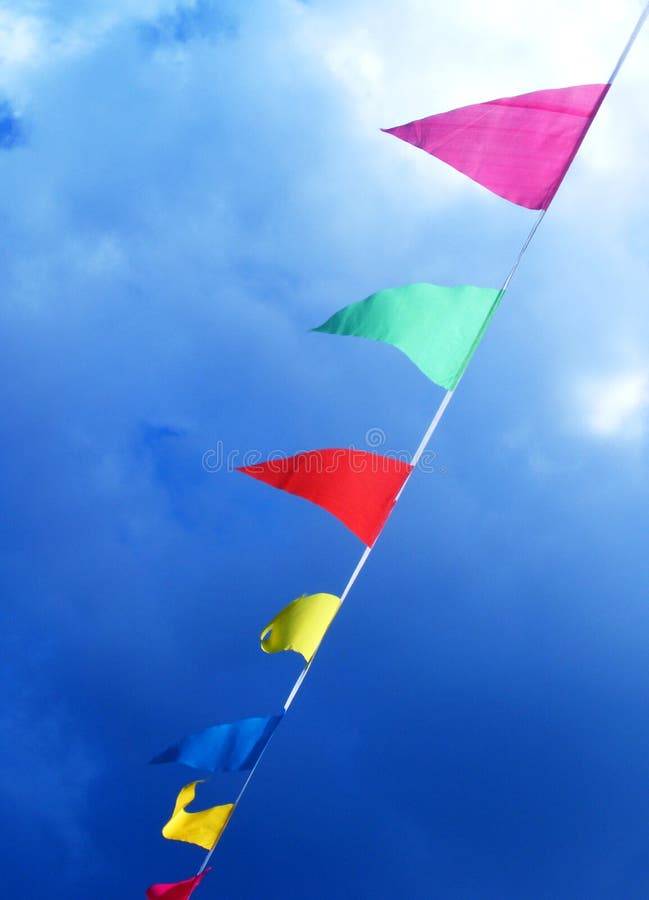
x=301 y=625
x=202 y=828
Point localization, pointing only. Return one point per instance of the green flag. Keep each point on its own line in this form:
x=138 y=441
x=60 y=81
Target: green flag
x=438 y=328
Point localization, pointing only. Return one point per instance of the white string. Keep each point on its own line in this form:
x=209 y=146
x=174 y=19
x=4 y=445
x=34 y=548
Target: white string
x=423 y=444
x=634 y=35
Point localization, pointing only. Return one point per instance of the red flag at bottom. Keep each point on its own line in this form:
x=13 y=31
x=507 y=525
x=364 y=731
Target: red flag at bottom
x=182 y=890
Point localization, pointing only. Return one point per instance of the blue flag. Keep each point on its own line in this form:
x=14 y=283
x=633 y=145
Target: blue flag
x=234 y=747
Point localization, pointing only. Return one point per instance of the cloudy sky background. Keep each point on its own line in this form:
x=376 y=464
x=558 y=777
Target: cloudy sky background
x=187 y=188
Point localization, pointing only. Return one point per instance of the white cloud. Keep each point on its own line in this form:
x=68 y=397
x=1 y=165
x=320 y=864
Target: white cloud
x=45 y=33
x=615 y=406
x=19 y=37
x=421 y=55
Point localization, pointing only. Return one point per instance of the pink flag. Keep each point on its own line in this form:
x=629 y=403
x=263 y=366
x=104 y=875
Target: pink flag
x=182 y=890
x=518 y=147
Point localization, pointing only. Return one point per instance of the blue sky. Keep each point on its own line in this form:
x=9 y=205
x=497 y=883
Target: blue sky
x=187 y=189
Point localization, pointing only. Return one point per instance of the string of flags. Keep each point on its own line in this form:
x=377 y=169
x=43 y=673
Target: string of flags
x=520 y=148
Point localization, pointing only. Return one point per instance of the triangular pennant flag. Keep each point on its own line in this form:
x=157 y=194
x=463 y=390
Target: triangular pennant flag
x=518 y=147
x=357 y=487
x=181 y=890
x=203 y=828
x=301 y=625
x=438 y=328
x=233 y=747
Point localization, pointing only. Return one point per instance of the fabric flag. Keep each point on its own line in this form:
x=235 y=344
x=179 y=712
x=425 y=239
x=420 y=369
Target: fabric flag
x=181 y=890
x=357 y=487
x=233 y=747
x=518 y=147
x=301 y=625
x=438 y=328
x=202 y=828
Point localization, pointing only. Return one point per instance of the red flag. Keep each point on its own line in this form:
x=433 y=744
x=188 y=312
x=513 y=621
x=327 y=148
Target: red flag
x=518 y=147
x=182 y=890
x=357 y=487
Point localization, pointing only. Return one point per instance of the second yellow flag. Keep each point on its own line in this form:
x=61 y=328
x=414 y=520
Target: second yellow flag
x=301 y=625
x=203 y=828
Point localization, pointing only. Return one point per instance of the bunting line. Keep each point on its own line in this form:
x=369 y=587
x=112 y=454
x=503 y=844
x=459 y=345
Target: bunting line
x=629 y=45
x=423 y=444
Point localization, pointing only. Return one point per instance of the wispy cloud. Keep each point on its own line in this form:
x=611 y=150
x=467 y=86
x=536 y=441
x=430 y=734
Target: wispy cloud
x=614 y=406
x=20 y=38
x=47 y=766
x=189 y=21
